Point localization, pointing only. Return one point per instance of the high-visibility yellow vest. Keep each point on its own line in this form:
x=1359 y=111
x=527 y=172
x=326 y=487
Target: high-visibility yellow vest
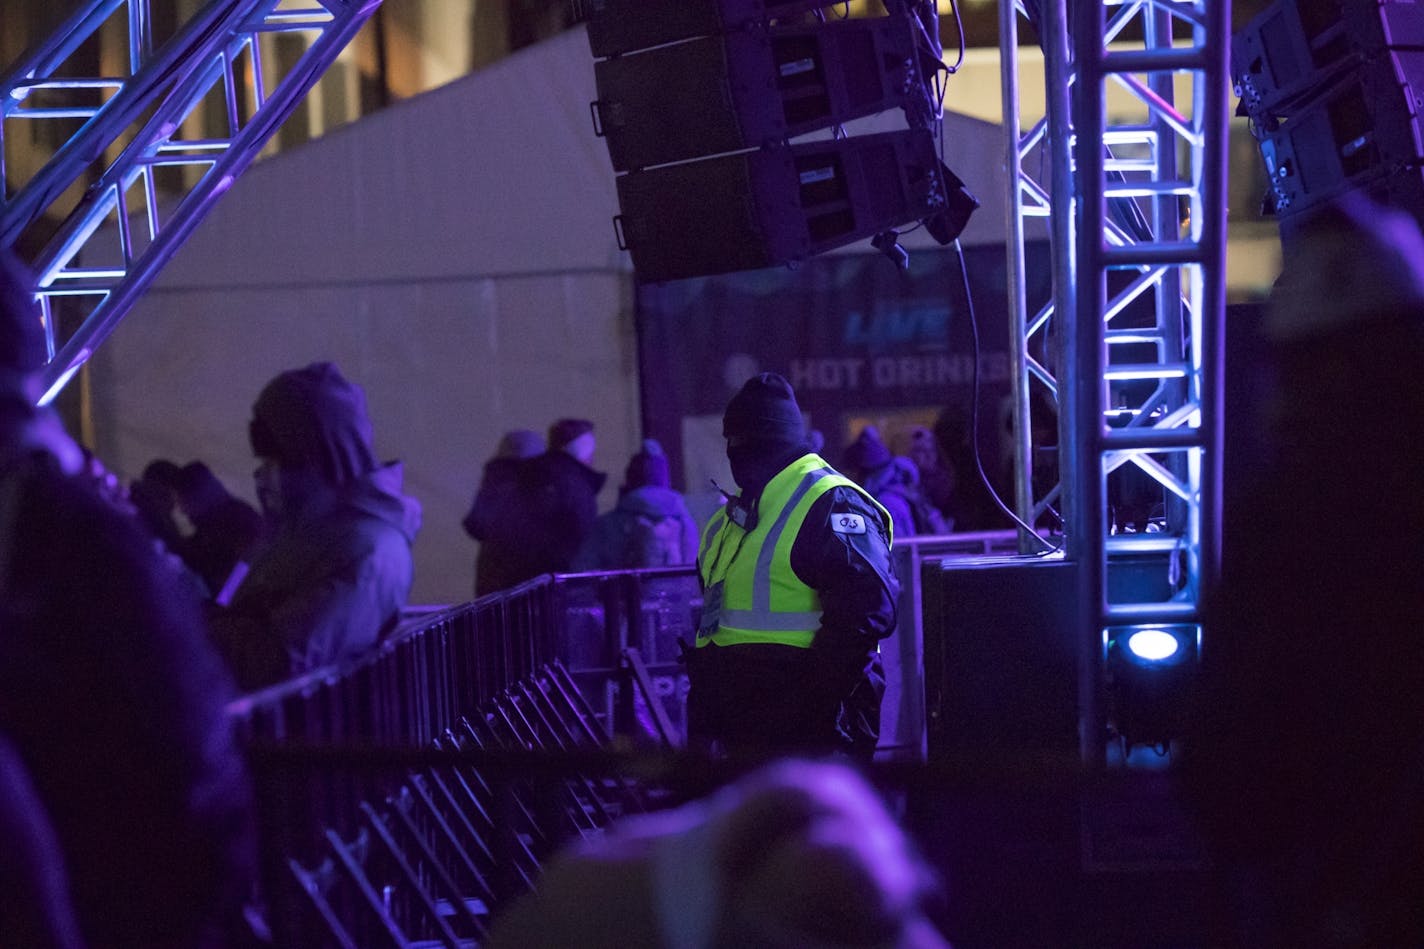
x=762 y=599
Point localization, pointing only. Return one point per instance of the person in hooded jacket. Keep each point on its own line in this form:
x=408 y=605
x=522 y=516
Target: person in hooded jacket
x=111 y=698
x=649 y=527
x=337 y=568
x=496 y=515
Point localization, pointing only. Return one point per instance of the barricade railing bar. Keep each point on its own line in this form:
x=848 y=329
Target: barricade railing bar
x=423 y=852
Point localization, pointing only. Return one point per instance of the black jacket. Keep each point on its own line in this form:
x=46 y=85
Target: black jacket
x=767 y=697
x=560 y=494
x=497 y=520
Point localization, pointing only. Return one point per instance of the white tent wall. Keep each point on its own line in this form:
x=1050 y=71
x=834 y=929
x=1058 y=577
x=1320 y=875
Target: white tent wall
x=489 y=355
x=454 y=254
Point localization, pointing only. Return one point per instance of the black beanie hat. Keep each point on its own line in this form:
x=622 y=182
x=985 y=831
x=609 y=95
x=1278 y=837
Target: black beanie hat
x=867 y=452
x=765 y=410
x=566 y=430
x=648 y=468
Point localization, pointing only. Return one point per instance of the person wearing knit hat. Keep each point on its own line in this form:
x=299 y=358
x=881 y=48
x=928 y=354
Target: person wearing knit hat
x=556 y=504
x=650 y=526
x=867 y=453
x=764 y=409
x=338 y=568
x=892 y=480
x=798 y=589
x=496 y=519
x=647 y=468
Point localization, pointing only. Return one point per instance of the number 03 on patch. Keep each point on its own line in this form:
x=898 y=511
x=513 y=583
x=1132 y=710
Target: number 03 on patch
x=847 y=523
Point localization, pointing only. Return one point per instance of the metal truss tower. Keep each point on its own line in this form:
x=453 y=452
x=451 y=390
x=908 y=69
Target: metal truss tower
x=158 y=145
x=1130 y=348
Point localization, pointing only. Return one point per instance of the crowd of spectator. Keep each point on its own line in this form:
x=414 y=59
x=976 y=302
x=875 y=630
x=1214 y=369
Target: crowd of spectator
x=132 y=614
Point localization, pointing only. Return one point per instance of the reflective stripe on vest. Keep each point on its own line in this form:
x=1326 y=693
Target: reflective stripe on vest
x=763 y=601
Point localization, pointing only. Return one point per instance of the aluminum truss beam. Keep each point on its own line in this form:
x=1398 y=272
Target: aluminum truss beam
x=205 y=102
x=1137 y=211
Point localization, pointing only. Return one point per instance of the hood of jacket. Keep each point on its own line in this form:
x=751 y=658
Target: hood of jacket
x=314 y=419
x=380 y=495
x=898 y=472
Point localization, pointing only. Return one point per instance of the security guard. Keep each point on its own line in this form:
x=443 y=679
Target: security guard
x=798 y=590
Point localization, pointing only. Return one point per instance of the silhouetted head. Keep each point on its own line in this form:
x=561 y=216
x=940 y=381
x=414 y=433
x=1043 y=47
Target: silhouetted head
x=797 y=854
x=310 y=429
x=764 y=429
x=648 y=468
x=199 y=490
x=519 y=443
x=574 y=436
x=161 y=471
x=866 y=454
x=923 y=448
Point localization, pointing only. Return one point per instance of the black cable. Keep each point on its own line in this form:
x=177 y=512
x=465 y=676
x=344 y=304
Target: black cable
x=959 y=27
x=974 y=408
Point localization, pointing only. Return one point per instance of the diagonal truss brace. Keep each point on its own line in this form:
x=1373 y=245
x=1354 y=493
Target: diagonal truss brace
x=41 y=70
x=220 y=48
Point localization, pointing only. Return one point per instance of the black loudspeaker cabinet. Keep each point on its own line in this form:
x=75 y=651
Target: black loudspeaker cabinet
x=1001 y=658
x=745 y=90
x=777 y=205
x=1293 y=48
x=1360 y=133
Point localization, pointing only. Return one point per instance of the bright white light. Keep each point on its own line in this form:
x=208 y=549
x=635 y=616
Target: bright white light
x=1153 y=645
x=64 y=377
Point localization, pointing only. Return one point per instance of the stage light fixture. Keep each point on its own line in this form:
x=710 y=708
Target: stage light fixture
x=1152 y=645
x=1149 y=677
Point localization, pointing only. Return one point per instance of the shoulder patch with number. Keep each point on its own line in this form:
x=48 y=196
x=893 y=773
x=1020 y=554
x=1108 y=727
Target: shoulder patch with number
x=847 y=523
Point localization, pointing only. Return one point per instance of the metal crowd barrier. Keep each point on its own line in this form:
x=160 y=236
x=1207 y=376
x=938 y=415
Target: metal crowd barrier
x=553 y=667
x=449 y=677
x=443 y=662
x=427 y=847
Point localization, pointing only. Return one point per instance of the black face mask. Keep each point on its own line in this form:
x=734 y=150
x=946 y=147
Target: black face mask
x=756 y=463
